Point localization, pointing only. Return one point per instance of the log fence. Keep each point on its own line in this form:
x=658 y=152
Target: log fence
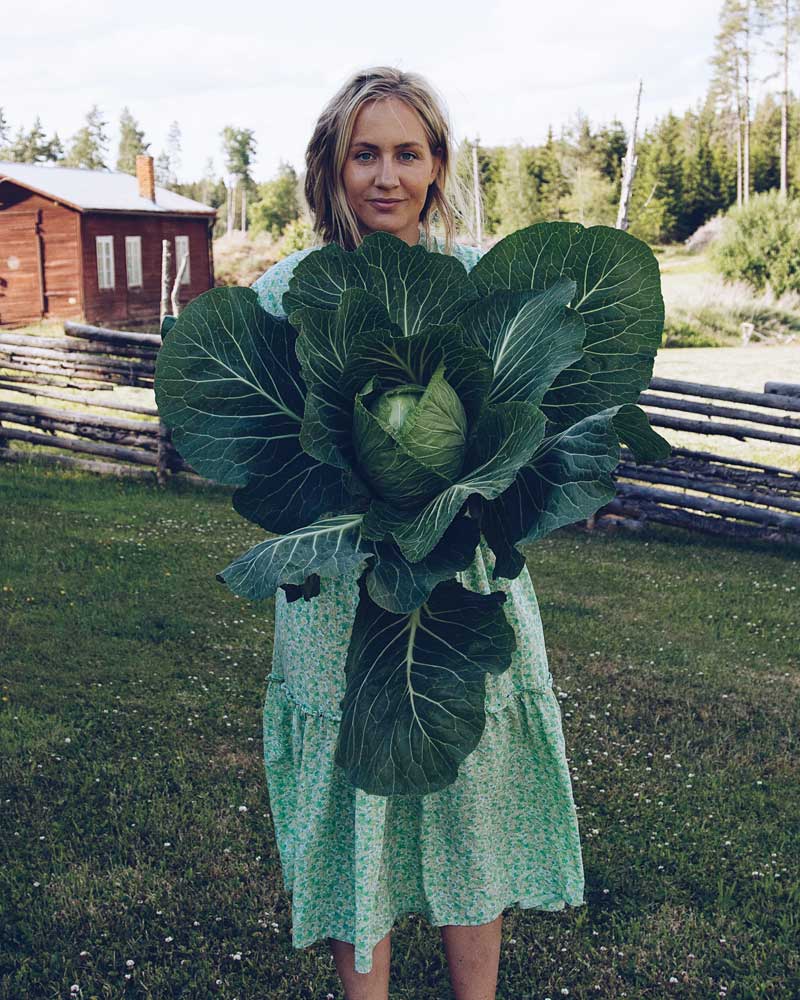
x=695 y=489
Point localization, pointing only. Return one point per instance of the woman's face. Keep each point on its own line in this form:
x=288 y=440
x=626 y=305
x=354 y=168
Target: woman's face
x=388 y=169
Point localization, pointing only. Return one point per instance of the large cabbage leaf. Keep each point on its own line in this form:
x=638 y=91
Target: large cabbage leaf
x=413 y=707
x=617 y=294
x=417 y=288
x=228 y=384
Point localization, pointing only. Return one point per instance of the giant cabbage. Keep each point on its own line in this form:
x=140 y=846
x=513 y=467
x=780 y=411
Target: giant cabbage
x=402 y=411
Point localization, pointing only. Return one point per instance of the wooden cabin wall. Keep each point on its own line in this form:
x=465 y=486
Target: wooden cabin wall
x=42 y=238
x=140 y=303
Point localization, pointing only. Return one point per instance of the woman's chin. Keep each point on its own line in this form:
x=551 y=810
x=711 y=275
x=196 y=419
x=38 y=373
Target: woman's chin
x=403 y=230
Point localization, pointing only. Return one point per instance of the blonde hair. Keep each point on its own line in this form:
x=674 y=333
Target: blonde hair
x=334 y=219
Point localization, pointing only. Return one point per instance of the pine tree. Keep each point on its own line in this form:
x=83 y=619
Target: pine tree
x=489 y=160
x=657 y=201
x=5 y=133
x=516 y=201
x=89 y=145
x=783 y=17
x=168 y=161
x=702 y=191
x=765 y=151
x=208 y=182
x=131 y=142
x=163 y=171
x=732 y=59
x=34 y=146
x=611 y=145
x=551 y=182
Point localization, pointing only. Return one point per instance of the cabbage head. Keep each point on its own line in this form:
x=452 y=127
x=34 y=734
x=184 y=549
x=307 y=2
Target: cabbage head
x=403 y=413
x=409 y=440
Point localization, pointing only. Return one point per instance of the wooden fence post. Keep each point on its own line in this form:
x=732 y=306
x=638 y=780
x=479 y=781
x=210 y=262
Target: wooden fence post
x=163 y=457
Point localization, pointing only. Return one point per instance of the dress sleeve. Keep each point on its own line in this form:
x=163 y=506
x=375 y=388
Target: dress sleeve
x=468 y=255
x=272 y=284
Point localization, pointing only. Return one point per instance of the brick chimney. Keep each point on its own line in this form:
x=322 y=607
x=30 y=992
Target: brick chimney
x=145 y=176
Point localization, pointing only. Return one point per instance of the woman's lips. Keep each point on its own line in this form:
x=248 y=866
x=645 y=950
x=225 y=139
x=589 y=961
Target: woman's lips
x=384 y=205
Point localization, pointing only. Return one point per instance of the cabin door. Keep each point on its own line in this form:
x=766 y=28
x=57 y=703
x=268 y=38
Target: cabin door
x=21 y=292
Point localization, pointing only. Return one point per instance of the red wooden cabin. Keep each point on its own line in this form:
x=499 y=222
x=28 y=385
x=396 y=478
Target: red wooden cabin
x=86 y=244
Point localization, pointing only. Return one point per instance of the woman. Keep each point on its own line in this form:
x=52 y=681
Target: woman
x=506 y=830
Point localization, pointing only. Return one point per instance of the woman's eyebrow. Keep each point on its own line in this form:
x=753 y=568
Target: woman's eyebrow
x=371 y=145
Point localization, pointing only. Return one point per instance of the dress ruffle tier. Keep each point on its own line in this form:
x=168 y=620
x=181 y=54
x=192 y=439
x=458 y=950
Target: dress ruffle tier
x=504 y=833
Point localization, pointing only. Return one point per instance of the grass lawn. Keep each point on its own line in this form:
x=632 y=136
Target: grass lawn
x=138 y=854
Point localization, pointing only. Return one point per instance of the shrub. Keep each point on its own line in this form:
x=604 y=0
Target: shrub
x=297 y=235
x=760 y=244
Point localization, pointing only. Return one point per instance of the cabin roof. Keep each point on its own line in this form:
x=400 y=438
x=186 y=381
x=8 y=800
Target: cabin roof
x=97 y=190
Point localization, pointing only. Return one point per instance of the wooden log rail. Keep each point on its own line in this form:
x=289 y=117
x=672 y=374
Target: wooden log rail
x=73 y=345
x=87 y=358
x=693 y=488
x=120 y=337
x=701 y=485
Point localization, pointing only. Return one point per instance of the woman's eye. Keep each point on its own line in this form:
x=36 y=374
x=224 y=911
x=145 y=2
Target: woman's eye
x=365 y=154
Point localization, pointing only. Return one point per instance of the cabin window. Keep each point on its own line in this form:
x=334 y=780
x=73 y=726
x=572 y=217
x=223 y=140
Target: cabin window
x=105 y=261
x=181 y=251
x=133 y=260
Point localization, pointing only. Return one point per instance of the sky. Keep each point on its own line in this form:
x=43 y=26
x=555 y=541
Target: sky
x=506 y=70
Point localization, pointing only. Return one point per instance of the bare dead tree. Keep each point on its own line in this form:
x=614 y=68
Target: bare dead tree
x=166 y=267
x=629 y=168
x=176 y=306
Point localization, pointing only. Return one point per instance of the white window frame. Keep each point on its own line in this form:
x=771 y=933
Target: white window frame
x=181 y=248
x=104 y=248
x=133 y=260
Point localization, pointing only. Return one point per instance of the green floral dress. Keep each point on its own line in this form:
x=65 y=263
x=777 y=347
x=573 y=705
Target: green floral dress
x=504 y=833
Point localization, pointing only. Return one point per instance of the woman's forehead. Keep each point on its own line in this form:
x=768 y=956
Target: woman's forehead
x=388 y=116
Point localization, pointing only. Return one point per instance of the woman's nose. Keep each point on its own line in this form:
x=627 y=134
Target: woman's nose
x=387 y=173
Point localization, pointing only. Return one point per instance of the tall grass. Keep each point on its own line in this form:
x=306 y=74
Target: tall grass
x=703 y=310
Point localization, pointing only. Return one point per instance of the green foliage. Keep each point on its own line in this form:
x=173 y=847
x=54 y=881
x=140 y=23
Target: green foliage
x=765 y=158
x=89 y=145
x=551 y=183
x=516 y=198
x=659 y=180
x=29 y=147
x=239 y=148
x=760 y=243
x=297 y=235
x=611 y=145
x=489 y=162
x=701 y=181
x=131 y=142
x=591 y=200
x=210 y=189
x=277 y=203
